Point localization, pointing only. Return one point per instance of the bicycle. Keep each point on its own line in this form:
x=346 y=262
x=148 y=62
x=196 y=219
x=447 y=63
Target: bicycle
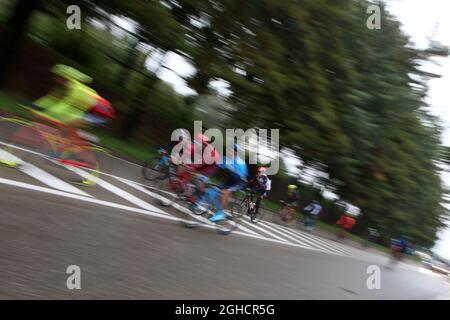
x=396 y=254
x=47 y=138
x=249 y=206
x=157 y=168
x=308 y=221
x=233 y=214
x=286 y=215
x=180 y=184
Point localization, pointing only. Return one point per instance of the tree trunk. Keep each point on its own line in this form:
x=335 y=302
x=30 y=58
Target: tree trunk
x=14 y=35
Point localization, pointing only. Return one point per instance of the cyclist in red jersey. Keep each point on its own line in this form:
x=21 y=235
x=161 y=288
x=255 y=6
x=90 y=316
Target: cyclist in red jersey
x=198 y=173
x=209 y=155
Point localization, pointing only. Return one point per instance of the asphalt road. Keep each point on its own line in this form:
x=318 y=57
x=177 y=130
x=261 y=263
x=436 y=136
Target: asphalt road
x=127 y=250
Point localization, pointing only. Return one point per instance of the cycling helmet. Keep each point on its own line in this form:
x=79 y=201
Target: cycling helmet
x=261 y=170
x=103 y=108
x=70 y=73
x=292 y=187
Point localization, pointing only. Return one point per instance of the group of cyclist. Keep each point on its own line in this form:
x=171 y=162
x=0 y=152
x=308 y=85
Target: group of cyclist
x=230 y=176
x=228 y=171
x=74 y=104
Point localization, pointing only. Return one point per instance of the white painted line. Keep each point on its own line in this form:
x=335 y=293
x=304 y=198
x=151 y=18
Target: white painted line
x=41 y=175
x=6 y=156
x=286 y=243
x=245 y=229
x=82 y=198
x=187 y=211
x=131 y=209
x=175 y=205
x=159 y=197
x=326 y=242
x=92 y=200
x=23 y=149
x=117 y=191
x=320 y=241
x=291 y=237
x=311 y=242
x=264 y=230
x=303 y=241
x=134 y=164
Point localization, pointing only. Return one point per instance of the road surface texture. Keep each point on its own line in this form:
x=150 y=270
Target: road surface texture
x=129 y=247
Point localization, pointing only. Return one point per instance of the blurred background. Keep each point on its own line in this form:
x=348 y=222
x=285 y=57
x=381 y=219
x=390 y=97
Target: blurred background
x=356 y=128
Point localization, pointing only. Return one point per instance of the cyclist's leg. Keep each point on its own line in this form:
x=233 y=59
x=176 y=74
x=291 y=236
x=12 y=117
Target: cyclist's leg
x=218 y=200
x=225 y=198
x=202 y=202
x=283 y=213
x=259 y=197
x=290 y=214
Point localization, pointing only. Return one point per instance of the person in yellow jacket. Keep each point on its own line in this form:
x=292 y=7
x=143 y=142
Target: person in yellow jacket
x=71 y=99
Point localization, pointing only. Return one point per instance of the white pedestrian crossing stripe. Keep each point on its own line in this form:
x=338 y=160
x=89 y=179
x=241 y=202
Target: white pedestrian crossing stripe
x=325 y=242
x=263 y=230
x=41 y=175
x=301 y=236
x=119 y=192
x=293 y=238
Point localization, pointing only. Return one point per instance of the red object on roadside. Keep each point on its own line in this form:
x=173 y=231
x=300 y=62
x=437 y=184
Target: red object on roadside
x=346 y=222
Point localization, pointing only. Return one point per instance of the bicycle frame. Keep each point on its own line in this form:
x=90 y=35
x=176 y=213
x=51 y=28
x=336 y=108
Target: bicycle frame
x=61 y=139
x=53 y=131
x=249 y=199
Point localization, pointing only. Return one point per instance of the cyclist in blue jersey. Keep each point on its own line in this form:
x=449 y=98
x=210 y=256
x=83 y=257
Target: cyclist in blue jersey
x=231 y=176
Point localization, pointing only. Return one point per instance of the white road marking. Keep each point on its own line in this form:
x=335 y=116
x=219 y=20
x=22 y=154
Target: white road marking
x=301 y=240
x=23 y=149
x=174 y=205
x=82 y=198
x=161 y=198
x=311 y=242
x=41 y=175
x=205 y=222
x=136 y=210
x=289 y=236
x=326 y=242
x=318 y=240
x=264 y=231
x=283 y=242
x=117 y=191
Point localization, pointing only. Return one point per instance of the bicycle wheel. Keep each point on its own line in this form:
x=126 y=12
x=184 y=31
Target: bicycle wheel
x=22 y=142
x=87 y=162
x=154 y=169
x=280 y=217
x=245 y=206
x=232 y=220
x=257 y=215
x=169 y=190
